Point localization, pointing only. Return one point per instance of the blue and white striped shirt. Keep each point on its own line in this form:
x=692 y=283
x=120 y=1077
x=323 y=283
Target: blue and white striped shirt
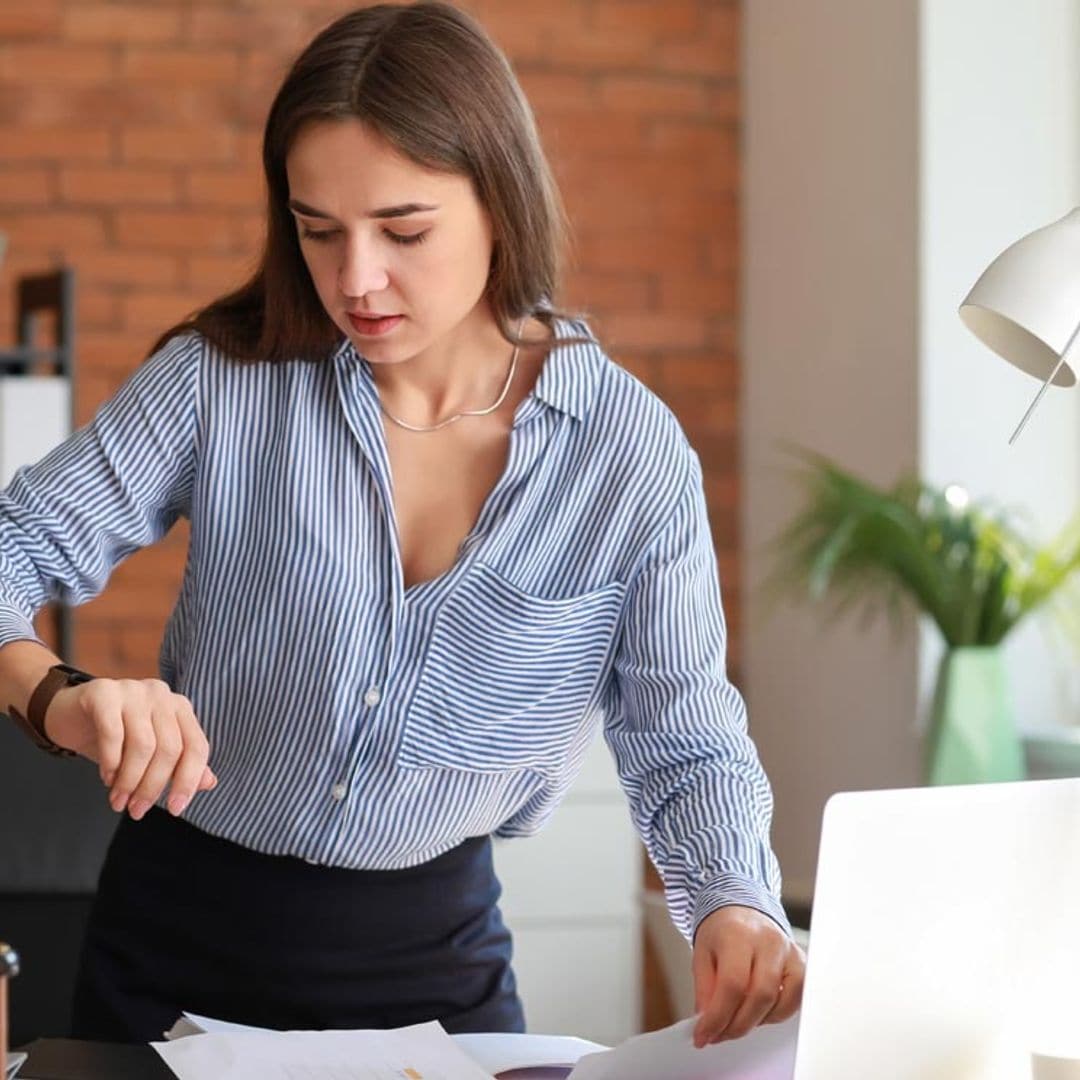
x=357 y=723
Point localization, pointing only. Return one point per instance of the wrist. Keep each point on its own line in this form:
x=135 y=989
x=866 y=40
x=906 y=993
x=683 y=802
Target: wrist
x=58 y=678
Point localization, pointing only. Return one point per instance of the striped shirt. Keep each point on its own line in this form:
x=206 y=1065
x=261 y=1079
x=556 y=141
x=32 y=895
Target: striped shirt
x=355 y=722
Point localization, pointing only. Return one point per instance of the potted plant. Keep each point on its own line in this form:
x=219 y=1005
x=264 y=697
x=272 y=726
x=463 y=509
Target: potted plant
x=965 y=565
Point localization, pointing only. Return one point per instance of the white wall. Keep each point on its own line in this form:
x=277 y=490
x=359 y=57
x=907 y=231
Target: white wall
x=1000 y=149
x=891 y=149
x=829 y=362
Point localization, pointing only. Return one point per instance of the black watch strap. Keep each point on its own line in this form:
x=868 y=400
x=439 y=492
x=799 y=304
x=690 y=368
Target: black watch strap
x=57 y=678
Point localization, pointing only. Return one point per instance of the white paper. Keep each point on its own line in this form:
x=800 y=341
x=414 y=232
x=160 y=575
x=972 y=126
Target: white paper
x=495 y=1052
x=498 y=1053
x=766 y=1053
x=419 y=1052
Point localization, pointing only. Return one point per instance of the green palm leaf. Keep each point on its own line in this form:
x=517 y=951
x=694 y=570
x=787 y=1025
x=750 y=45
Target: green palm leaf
x=854 y=545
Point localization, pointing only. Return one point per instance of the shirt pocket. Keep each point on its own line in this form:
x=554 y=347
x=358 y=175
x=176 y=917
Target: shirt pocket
x=508 y=677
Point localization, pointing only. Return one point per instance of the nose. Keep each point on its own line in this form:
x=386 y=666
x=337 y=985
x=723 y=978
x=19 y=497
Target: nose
x=363 y=269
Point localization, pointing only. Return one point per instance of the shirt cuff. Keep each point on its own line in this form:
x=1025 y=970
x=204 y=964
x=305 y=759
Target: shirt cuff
x=734 y=889
x=15 y=626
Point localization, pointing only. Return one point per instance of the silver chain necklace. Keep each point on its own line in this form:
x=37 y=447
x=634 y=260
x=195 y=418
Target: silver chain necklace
x=465 y=412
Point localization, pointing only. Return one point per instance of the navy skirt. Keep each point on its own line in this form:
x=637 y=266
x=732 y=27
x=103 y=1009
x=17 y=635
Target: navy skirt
x=186 y=921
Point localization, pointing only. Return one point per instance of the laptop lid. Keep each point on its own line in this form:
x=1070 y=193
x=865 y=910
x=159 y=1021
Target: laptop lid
x=945 y=936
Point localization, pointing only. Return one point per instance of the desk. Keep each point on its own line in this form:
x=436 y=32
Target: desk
x=74 y=1059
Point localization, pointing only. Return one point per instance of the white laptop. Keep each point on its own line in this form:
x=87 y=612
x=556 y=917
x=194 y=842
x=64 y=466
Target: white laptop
x=945 y=939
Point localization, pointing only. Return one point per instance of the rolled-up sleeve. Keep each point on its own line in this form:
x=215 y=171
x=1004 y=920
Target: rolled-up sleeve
x=678 y=730
x=114 y=486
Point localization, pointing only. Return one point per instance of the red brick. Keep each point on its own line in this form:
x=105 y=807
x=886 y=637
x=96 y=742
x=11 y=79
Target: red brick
x=265 y=26
x=647 y=95
x=209 y=275
x=576 y=134
x=178 y=230
x=699 y=146
x=558 y=91
x=55 y=230
x=724 y=101
x=610 y=292
x=112 y=354
x=647 y=18
x=710 y=412
x=184 y=65
x=182 y=145
x=55 y=144
x=27 y=187
x=104 y=22
x=704 y=372
x=154 y=310
x=649 y=329
x=636 y=249
x=118 y=185
x=96 y=308
x=706 y=293
x=37 y=64
x=532 y=31
x=133 y=105
x=124 y=268
x=40 y=19
x=249 y=149
x=225 y=187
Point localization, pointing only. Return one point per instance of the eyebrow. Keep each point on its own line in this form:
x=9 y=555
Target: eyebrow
x=384 y=212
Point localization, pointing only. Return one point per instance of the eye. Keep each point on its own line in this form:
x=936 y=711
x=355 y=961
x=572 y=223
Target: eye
x=317 y=235
x=407 y=238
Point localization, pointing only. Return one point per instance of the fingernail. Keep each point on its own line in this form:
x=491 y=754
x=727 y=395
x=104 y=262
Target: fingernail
x=177 y=804
x=118 y=800
x=138 y=807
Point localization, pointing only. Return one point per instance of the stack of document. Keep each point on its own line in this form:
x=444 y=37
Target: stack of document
x=200 y=1048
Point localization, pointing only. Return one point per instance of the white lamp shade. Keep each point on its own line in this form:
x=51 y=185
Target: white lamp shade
x=1026 y=304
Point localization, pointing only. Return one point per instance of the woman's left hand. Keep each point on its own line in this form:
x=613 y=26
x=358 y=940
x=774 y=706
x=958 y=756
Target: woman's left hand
x=747 y=971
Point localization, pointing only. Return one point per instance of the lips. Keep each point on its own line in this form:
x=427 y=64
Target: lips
x=374 y=325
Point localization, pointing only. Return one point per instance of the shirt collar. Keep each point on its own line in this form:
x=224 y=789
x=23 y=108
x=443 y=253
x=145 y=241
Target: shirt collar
x=571 y=373
x=567 y=381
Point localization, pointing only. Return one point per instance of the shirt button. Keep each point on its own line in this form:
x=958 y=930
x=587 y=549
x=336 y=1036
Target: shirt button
x=372 y=697
x=338 y=792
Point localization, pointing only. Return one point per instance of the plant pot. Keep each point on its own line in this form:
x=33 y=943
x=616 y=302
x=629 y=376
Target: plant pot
x=972 y=737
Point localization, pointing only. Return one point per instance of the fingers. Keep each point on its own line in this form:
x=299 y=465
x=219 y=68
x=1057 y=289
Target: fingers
x=148 y=739
x=731 y=977
x=790 y=998
x=760 y=997
x=190 y=768
x=746 y=972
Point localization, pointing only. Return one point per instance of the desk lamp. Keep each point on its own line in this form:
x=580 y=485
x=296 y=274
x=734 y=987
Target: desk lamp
x=1026 y=308
x=1026 y=305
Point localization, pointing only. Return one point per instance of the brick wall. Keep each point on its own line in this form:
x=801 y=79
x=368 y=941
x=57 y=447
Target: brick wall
x=129 y=137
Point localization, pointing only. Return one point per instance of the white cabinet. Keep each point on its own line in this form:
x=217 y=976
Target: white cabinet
x=571 y=897
x=35 y=413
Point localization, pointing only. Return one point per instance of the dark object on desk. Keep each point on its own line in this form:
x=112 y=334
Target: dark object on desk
x=73 y=1059
x=9 y=968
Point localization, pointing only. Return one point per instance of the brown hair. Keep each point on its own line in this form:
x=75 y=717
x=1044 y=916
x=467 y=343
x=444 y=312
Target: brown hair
x=428 y=79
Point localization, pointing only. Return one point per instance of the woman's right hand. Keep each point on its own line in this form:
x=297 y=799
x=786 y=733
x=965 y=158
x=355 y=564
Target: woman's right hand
x=143 y=737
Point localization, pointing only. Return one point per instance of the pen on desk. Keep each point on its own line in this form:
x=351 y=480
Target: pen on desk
x=9 y=966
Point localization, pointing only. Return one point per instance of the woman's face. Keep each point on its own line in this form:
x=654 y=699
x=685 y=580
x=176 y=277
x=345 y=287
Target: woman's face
x=399 y=254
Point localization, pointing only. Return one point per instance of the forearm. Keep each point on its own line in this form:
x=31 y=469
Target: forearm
x=23 y=665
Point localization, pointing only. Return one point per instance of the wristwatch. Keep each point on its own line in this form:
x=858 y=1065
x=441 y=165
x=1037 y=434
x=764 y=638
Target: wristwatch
x=58 y=677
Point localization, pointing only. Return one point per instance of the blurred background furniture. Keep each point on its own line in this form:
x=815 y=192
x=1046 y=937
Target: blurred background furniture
x=54 y=822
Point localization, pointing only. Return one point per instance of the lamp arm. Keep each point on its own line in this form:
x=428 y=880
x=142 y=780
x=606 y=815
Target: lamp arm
x=1045 y=386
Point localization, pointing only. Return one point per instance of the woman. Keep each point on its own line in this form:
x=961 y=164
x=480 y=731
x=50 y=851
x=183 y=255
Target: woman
x=436 y=537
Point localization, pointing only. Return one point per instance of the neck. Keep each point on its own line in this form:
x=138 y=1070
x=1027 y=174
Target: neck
x=464 y=370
